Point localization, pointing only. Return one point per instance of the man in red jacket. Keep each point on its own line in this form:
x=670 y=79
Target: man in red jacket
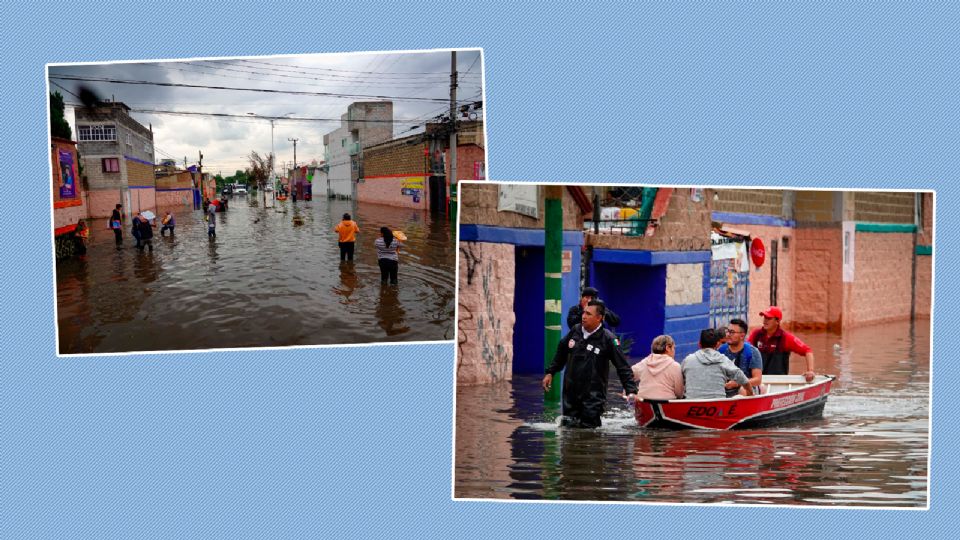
x=776 y=344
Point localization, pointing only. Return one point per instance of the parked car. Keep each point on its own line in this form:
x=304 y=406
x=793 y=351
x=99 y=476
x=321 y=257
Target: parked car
x=241 y=190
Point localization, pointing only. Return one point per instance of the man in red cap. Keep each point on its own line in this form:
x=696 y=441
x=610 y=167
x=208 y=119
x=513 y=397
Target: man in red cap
x=776 y=344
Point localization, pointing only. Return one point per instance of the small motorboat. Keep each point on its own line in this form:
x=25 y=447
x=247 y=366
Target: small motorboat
x=788 y=398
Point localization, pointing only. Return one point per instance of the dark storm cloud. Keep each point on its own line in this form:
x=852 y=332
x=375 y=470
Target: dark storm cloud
x=227 y=141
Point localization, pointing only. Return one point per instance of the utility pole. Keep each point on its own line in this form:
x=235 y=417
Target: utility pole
x=553 y=278
x=200 y=177
x=294 y=140
x=452 y=211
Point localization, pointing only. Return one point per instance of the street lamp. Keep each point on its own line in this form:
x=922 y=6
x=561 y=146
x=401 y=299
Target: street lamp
x=272 y=154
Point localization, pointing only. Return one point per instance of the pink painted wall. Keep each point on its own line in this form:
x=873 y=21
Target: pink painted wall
x=760 y=278
x=924 y=285
x=143 y=199
x=386 y=190
x=485 y=315
x=174 y=198
x=818 y=296
x=100 y=203
x=881 y=287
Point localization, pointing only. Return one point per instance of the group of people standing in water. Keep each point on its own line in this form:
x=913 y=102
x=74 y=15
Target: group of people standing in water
x=387 y=245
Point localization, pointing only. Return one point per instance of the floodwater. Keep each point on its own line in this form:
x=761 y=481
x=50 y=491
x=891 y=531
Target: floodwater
x=272 y=277
x=870 y=449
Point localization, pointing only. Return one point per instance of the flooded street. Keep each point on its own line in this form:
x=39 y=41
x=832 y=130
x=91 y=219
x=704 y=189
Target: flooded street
x=272 y=277
x=869 y=449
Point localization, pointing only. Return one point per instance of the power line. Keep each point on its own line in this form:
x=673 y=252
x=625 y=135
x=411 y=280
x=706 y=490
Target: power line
x=361 y=79
x=444 y=74
x=264 y=90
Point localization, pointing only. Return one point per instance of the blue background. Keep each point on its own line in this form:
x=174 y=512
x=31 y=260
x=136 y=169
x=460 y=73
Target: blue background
x=357 y=442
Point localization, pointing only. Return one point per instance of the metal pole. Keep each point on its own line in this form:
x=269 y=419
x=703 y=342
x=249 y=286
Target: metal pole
x=200 y=178
x=453 y=136
x=553 y=268
x=294 y=172
x=917 y=224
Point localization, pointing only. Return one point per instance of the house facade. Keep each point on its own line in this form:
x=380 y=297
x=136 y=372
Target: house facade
x=118 y=159
x=69 y=202
x=365 y=124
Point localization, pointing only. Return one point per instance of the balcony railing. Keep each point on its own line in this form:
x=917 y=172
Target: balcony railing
x=622 y=227
x=354 y=148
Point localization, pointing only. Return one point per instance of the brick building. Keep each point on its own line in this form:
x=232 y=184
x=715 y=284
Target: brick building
x=69 y=205
x=833 y=260
x=174 y=187
x=657 y=284
x=118 y=159
x=413 y=172
x=365 y=124
x=843 y=259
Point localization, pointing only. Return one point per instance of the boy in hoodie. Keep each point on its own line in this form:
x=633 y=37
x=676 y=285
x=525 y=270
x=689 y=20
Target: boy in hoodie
x=706 y=371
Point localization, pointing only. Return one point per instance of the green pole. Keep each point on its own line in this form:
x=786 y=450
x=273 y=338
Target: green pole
x=453 y=207
x=553 y=266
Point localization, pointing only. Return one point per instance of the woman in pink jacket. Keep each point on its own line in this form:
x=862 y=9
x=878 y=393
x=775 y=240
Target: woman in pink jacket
x=658 y=375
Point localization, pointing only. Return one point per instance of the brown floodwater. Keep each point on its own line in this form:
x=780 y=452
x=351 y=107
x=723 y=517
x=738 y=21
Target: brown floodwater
x=870 y=449
x=272 y=277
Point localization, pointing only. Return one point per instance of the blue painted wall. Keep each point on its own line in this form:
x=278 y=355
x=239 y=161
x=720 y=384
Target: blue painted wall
x=528 y=302
x=634 y=282
x=571 y=285
x=529 y=295
x=636 y=293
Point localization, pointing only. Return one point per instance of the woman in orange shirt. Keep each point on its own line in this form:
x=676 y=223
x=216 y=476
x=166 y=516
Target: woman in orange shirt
x=347 y=230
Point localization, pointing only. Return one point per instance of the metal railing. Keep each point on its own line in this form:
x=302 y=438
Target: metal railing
x=623 y=227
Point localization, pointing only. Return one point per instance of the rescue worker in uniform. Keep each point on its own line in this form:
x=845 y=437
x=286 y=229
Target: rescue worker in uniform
x=575 y=312
x=586 y=352
x=776 y=344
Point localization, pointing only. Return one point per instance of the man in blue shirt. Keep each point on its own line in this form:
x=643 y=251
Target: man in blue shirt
x=744 y=355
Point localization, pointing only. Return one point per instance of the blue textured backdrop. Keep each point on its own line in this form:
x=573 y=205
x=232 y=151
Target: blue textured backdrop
x=357 y=442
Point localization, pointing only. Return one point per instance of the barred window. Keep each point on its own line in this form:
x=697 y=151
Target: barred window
x=97 y=132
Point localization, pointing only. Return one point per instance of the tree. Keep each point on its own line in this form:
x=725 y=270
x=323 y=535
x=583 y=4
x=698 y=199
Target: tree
x=259 y=171
x=58 y=121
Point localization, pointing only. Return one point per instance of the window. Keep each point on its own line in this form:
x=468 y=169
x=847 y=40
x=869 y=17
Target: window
x=97 y=132
x=146 y=147
x=111 y=164
x=343 y=143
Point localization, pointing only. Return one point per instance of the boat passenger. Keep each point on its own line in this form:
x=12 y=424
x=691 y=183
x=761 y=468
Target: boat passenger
x=706 y=371
x=744 y=355
x=659 y=376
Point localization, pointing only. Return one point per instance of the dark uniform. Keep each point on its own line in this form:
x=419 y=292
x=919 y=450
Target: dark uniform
x=576 y=312
x=587 y=362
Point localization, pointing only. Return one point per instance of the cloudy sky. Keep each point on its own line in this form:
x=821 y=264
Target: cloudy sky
x=417 y=83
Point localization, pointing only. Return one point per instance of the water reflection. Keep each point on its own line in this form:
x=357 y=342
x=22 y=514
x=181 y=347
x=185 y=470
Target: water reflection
x=271 y=277
x=349 y=281
x=390 y=312
x=869 y=449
